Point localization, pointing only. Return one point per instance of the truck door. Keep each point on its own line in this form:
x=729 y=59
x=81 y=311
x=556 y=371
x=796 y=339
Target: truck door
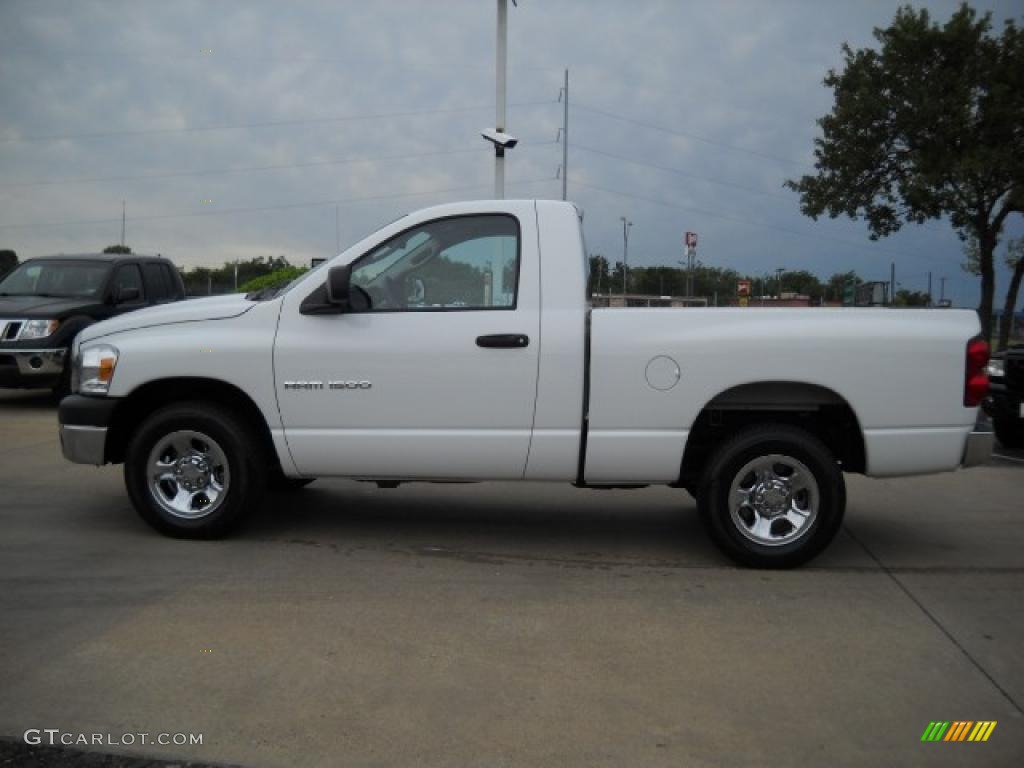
x=437 y=378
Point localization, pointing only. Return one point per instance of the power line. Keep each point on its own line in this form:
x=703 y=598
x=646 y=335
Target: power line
x=684 y=134
x=215 y=55
x=281 y=207
x=680 y=172
x=267 y=123
x=252 y=168
x=737 y=220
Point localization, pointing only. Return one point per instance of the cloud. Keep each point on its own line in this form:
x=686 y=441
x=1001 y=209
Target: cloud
x=741 y=74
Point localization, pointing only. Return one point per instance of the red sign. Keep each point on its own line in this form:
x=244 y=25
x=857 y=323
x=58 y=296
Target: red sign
x=691 y=239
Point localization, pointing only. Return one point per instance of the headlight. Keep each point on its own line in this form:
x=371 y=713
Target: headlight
x=94 y=369
x=37 y=329
x=996 y=367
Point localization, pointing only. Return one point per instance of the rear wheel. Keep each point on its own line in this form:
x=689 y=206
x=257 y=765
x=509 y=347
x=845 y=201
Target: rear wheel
x=191 y=471
x=1009 y=431
x=773 y=496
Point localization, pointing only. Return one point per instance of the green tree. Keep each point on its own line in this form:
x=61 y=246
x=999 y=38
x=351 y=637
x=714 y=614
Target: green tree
x=905 y=298
x=835 y=288
x=117 y=249
x=271 y=279
x=929 y=125
x=598 y=278
x=1015 y=261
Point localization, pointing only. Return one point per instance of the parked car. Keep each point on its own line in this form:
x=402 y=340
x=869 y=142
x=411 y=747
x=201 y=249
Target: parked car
x=1005 y=404
x=456 y=344
x=46 y=302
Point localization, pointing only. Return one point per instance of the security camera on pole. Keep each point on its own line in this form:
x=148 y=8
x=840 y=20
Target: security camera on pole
x=497 y=136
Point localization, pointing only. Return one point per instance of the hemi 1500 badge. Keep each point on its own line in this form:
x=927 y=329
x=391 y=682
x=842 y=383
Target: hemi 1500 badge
x=311 y=385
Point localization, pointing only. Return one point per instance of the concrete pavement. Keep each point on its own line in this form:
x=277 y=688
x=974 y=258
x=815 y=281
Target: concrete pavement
x=505 y=624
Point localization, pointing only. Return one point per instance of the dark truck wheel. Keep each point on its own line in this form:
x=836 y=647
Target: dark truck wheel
x=1009 y=431
x=191 y=471
x=773 y=496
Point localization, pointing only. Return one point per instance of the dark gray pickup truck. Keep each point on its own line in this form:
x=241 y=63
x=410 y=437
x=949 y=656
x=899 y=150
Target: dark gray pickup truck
x=45 y=302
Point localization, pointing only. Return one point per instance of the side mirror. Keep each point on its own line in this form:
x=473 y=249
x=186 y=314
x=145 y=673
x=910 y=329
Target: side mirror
x=338 y=288
x=126 y=294
x=336 y=296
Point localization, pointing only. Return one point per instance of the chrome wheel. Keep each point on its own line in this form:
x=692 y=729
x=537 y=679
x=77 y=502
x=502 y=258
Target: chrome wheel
x=773 y=500
x=188 y=474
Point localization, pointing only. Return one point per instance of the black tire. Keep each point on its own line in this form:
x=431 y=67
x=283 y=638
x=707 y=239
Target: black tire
x=1009 y=431
x=246 y=478
x=790 y=546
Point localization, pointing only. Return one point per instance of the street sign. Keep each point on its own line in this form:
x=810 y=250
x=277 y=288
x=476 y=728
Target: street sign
x=691 y=239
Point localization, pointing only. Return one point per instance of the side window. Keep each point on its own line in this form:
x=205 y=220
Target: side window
x=173 y=282
x=126 y=278
x=460 y=263
x=156 y=282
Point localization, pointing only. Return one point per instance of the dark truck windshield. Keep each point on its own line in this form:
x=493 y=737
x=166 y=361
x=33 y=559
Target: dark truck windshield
x=66 y=279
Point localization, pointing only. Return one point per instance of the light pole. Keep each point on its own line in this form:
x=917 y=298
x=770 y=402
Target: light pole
x=778 y=281
x=626 y=224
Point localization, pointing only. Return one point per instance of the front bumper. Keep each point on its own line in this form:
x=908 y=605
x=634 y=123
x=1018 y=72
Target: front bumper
x=978 y=449
x=84 y=422
x=31 y=367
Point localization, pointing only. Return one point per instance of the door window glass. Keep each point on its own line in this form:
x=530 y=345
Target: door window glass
x=156 y=282
x=459 y=263
x=127 y=277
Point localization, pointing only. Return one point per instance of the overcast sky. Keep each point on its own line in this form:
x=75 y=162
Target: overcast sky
x=253 y=123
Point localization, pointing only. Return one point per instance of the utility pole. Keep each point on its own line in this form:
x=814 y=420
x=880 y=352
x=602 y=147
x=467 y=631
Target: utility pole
x=942 y=289
x=122 y=222
x=778 y=281
x=501 y=62
x=626 y=224
x=565 y=136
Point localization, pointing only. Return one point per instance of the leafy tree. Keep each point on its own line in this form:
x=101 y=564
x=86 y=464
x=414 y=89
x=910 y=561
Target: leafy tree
x=598 y=278
x=931 y=124
x=803 y=282
x=271 y=279
x=117 y=249
x=8 y=261
x=905 y=298
x=835 y=288
x=1015 y=261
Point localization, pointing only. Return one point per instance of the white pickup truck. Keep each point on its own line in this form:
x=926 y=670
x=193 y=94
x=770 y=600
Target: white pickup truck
x=456 y=344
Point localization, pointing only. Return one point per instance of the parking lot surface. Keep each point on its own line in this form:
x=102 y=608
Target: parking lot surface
x=507 y=624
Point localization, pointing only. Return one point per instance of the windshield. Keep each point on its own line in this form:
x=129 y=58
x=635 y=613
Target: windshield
x=63 y=279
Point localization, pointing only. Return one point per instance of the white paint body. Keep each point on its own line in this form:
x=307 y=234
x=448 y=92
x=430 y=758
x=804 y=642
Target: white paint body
x=440 y=407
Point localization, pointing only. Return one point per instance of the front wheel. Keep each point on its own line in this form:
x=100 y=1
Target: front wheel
x=191 y=471
x=773 y=496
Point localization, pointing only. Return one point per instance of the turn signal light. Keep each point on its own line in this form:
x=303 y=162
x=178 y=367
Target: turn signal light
x=975 y=377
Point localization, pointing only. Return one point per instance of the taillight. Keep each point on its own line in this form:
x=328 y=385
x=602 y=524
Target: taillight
x=975 y=378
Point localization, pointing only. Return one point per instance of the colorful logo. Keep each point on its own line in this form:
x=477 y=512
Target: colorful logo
x=959 y=730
